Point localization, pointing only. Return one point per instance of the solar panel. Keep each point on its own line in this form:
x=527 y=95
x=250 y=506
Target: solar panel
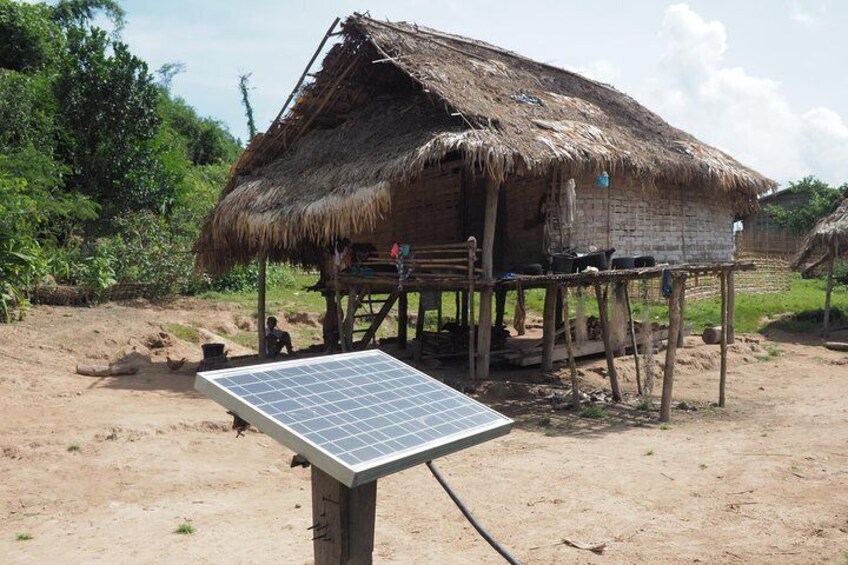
x=356 y=416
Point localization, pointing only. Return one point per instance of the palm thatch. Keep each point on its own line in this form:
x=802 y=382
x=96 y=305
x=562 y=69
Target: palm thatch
x=392 y=98
x=829 y=234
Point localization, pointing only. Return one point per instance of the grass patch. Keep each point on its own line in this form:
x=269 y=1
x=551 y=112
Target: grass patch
x=649 y=452
x=23 y=537
x=594 y=413
x=772 y=352
x=185 y=529
x=551 y=432
x=665 y=426
x=545 y=421
x=702 y=466
x=644 y=405
x=73 y=448
x=185 y=333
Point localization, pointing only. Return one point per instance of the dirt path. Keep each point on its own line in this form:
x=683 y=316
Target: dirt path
x=764 y=481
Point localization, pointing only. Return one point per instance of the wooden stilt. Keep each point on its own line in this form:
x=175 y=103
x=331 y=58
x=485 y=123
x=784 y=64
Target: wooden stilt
x=682 y=307
x=603 y=314
x=549 y=327
x=260 y=306
x=500 y=307
x=403 y=320
x=619 y=319
x=633 y=343
x=731 y=307
x=352 y=304
x=724 y=331
x=484 y=337
x=419 y=331
x=343 y=521
x=463 y=311
x=834 y=251
x=468 y=310
x=678 y=282
x=339 y=311
x=572 y=365
x=439 y=312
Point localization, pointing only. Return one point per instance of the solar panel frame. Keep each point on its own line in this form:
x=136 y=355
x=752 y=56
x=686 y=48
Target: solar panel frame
x=351 y=474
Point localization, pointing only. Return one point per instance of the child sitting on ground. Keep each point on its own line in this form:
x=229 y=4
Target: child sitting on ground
x=276 y=339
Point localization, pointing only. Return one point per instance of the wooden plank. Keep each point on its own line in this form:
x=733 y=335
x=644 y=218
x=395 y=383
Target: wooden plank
x=378 y=319
x=524 y=358
x=603 y=315
x=675 y=322
x=549 y=328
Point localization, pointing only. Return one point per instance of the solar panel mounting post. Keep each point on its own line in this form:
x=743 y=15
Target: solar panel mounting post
x=343 y=521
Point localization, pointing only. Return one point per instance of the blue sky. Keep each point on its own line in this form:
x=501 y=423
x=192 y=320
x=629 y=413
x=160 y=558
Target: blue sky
x=762 y=79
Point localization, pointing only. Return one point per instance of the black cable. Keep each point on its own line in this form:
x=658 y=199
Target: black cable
x=470 y=517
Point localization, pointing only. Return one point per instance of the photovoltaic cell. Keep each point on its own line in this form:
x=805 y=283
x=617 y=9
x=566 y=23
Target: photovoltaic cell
x=357 y=416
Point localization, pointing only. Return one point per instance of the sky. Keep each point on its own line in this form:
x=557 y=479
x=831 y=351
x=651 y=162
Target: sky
x=764 y=80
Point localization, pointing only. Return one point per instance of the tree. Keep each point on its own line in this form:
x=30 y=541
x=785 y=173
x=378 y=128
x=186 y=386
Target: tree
x=244 y=88
x=109 y=126
x=79 y=13
x=29 y=39
x=819 y=199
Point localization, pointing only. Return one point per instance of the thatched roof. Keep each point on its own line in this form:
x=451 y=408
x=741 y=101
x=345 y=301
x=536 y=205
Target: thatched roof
x=829 y=231
x=392 y=98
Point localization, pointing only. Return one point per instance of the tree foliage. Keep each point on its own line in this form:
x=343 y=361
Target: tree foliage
x=817 y=200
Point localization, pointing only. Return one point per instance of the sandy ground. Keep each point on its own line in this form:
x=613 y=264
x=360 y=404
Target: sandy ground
x=763 y=481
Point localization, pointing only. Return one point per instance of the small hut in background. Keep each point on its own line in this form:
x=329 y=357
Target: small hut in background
x=762 y=235
x=826 y=243
x=425 y=162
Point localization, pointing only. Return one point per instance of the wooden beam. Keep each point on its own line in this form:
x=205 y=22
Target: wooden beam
x=834 y=252
x=378 y=319
x=633 y=343
x=572 y=365
x=342 y=521
x=260 y=306
x=484 y=337
x=468 y=307
x=403 y=320
x=675 y=322
x=603 y=314
x=724 y=331
x=620 y=321
x=549 y=327
x=418 y=352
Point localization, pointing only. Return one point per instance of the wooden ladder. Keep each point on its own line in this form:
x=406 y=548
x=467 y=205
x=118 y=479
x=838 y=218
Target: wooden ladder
x=385 y=301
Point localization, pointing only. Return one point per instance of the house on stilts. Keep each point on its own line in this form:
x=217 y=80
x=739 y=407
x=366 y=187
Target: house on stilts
x=417 y=161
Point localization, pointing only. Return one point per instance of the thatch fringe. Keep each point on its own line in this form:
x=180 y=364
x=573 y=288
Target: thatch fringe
x=831 y=231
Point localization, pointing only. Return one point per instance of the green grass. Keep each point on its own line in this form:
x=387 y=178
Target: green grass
x=594 y=413
x=185 y=529
x=73 y=448
x=23 y=537
x=772 y=353
x=649 y=452
x=644 y=405
x=545 y=421
x=185 y=333
x=665 y=426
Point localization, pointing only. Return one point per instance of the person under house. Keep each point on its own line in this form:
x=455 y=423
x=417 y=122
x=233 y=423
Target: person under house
x=276 y=339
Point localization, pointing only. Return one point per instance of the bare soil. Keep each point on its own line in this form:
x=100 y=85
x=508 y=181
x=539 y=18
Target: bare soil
x=106 y=468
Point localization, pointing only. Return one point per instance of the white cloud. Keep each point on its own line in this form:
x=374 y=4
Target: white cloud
x=601 y=70
x=746 y=115
x=807 y=18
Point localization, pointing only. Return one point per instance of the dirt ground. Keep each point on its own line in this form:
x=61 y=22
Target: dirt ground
x=104 y=469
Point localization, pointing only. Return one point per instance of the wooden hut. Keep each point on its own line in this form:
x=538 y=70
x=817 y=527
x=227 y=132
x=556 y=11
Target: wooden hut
x=413 y=136
x=825 y=244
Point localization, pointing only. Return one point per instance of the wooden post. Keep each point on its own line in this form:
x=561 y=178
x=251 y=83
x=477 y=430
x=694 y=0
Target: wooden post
x=352 y=305
x=500 y=306
x=260 y=306
x=339 y=312
x=833 y=253
x=403 y=320
x=619 y=290
x=572 y=366
x=484 y=336
x=549 y=327
x=605 y=332
x=419 y=331
x=342 y=520
x=633 y=338
x=678 y=281
x=731 y=307
x=724 y=331
x=463 y=311
x=682 y=307
x=468 y=307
